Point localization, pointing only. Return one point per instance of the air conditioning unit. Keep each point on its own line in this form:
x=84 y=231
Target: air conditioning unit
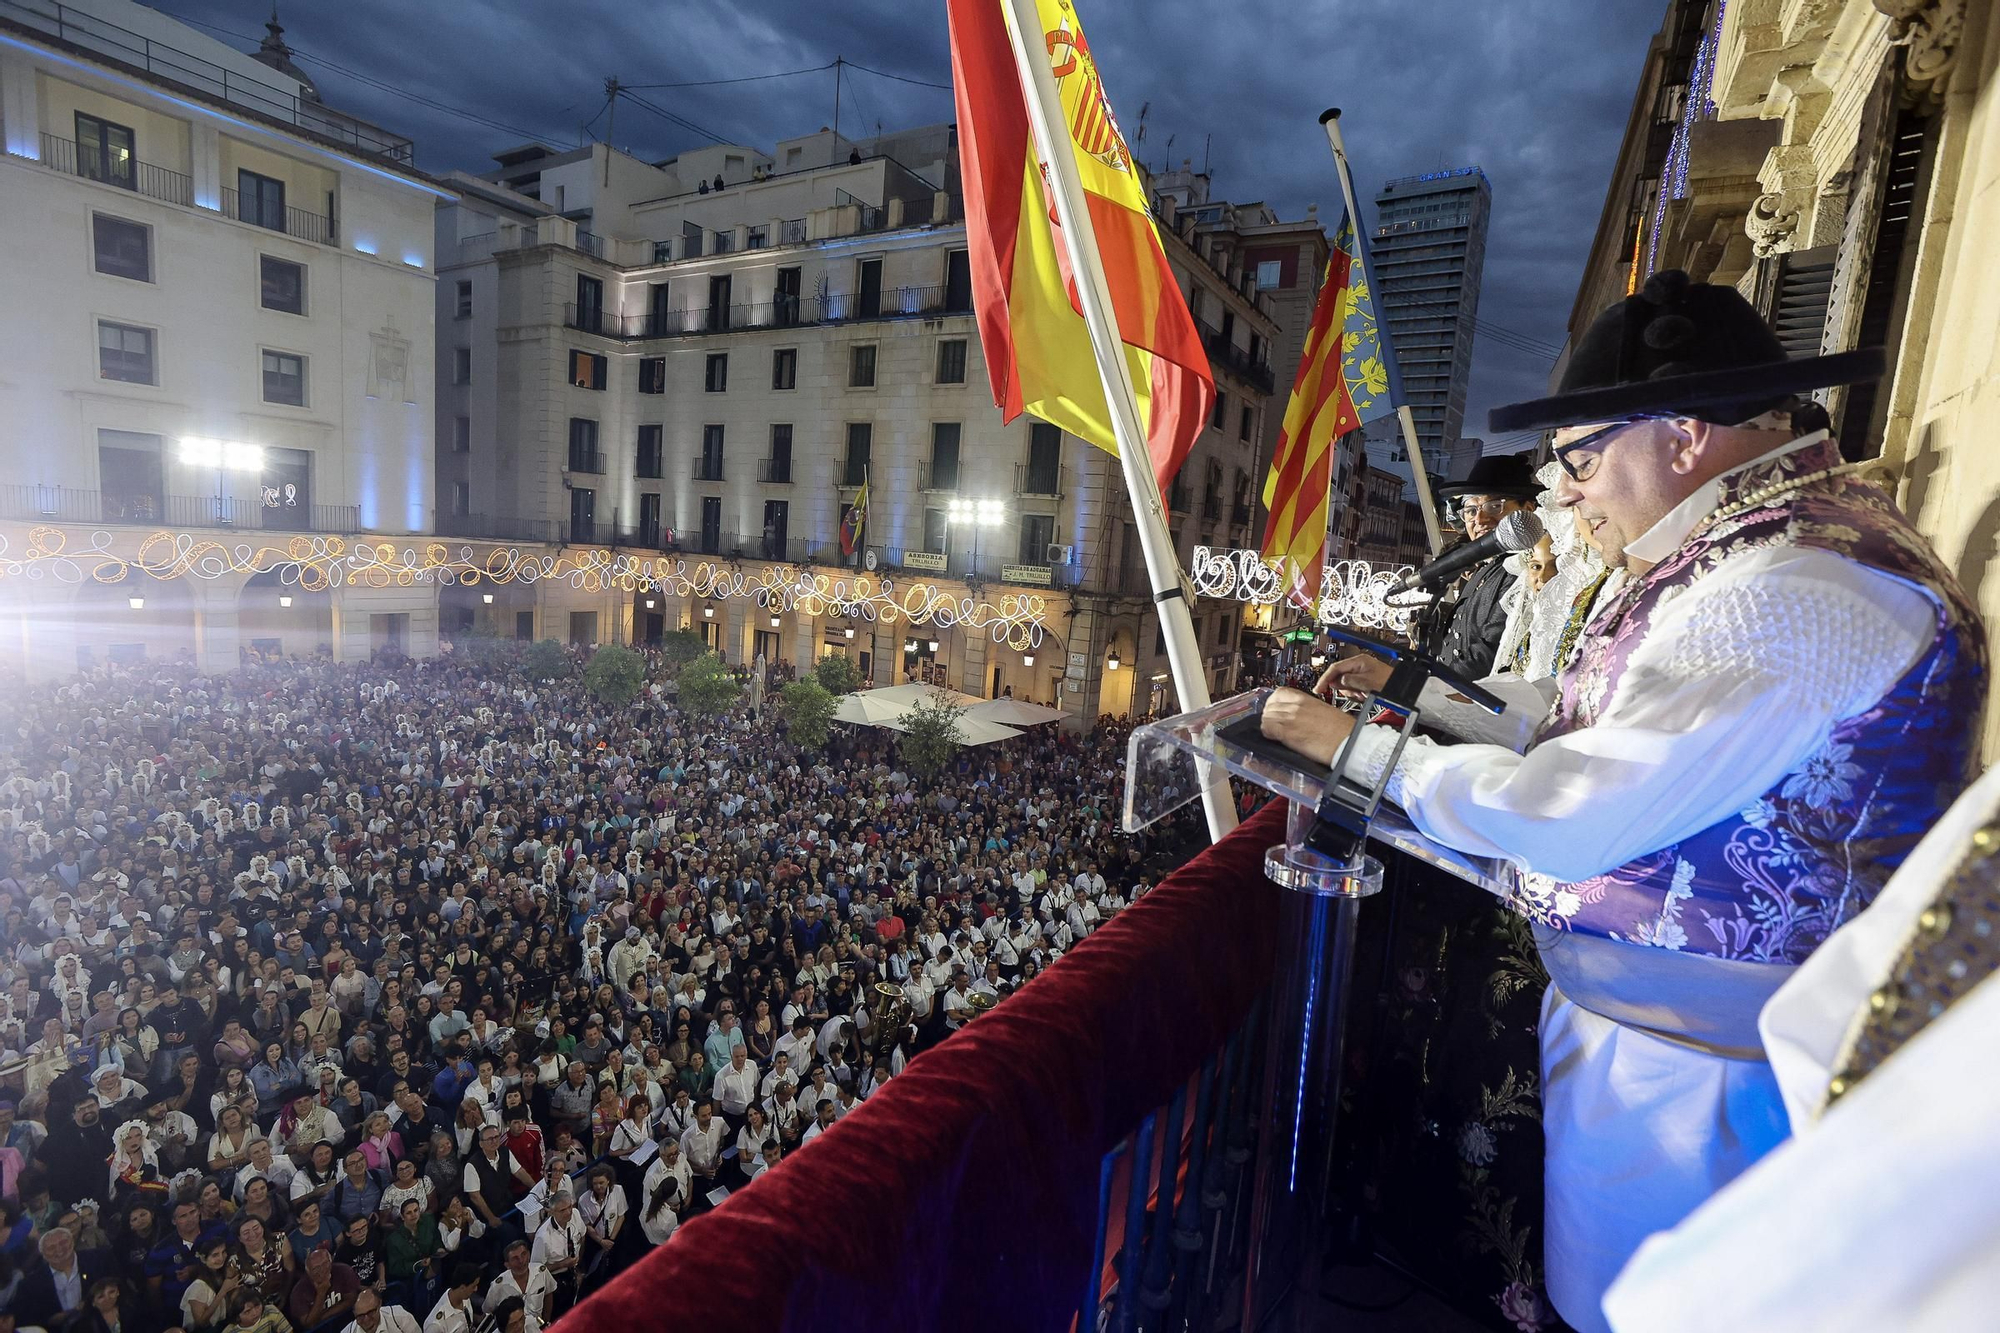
x=1060 y=555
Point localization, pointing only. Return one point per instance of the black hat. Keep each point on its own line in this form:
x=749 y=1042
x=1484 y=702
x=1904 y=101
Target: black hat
x=1681 y=347
x=1501 y=474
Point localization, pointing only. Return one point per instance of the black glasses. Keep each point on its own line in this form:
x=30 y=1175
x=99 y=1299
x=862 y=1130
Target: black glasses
x=1579 y=457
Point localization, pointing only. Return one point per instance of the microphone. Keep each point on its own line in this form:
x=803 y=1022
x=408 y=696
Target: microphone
x=1516 y=532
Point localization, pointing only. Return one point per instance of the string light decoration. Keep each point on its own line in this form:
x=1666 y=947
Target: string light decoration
x=1351 y=592
x=316 y=563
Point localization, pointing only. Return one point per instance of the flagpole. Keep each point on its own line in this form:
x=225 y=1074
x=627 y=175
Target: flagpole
x=1170 y=593
x=1331 y=122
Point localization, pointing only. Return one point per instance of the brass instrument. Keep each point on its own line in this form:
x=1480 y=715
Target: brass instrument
x=889 y=1012
x=981 y=1002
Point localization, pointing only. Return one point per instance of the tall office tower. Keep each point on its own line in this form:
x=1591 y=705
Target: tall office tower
x=1429 y=248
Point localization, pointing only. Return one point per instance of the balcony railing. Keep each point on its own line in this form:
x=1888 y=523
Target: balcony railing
x=150 y=54
x=501 y=528
x=1237 y=361
x=65 y=504
x=921 y=302
x=650 y=468
x=708 y=469
x=586 y=460
x=1034 y=481
x=294 y=222
x=934 y=477
x=776 y=471
x=144 y=178
x=853 y=472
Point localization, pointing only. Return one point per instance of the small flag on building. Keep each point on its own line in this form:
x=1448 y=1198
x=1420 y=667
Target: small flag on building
x=1344 y=382
x=854 y=522
x=1038 y=350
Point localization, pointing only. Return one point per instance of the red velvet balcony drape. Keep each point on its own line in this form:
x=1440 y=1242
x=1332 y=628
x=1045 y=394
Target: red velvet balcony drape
x=963 y=1195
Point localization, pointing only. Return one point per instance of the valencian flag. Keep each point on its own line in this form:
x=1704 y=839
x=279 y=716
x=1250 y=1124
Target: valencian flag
x=1343 y=382
x=1031 y=326
x=854 y=521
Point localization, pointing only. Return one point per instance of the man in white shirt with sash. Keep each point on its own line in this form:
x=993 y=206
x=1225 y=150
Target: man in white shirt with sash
x=1745 y=741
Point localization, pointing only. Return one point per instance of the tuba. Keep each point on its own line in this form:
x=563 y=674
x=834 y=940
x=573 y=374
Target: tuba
x=981 y=1002
x=889 y=1013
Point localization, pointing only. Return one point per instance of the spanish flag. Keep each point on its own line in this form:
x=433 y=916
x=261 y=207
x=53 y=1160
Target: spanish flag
x=1343 y=382
x=854 y=523
x=1037 y=348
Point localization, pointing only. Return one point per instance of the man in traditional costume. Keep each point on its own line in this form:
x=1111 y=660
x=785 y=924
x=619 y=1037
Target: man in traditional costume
x=1746 y=740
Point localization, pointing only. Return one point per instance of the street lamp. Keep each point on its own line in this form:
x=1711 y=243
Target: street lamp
x=849 y=631
x=136 y=603
x=1027 y=659
x=1112 y=663
x=708 y=613
x=486 y=597
x=775 y=622
x=975 y=513
x=649 y=603
x=284 y=599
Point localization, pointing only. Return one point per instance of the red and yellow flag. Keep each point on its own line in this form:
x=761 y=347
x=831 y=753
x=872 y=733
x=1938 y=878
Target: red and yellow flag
x=1030 y=323
x=1344 y=381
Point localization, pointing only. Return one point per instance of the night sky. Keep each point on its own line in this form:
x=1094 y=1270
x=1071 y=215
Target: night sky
x=1536 y=93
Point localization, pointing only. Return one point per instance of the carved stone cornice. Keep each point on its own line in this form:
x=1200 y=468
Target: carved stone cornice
x=1929 y=31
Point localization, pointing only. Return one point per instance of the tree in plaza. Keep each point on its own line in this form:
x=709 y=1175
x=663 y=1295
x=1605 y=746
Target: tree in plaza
x=706 y=687
x=546 y=659
x=837 y=674
x=931 y=735
x=614 y=674
x=807 y=709
x=682 y=646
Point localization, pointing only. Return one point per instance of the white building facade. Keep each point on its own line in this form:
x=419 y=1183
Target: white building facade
x=218 y=336
x=695 y=366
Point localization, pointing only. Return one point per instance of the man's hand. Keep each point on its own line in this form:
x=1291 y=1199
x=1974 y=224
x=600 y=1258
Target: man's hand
x=1360 y=674
x=1311 y=726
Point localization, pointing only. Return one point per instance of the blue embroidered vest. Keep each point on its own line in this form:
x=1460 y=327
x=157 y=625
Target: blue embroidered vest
x=1770 y=883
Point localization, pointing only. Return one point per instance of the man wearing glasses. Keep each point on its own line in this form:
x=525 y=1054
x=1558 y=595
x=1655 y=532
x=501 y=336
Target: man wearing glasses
x=1477 y=617
x=1748 y=737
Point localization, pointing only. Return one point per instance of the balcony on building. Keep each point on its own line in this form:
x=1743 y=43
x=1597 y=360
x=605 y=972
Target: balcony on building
x=143 y=507
x=775 y=471
x=582 y=459
x=1038 y=483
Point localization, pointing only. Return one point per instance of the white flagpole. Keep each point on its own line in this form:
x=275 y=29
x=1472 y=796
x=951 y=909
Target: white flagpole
x=1331 y=122
x=1163 y=570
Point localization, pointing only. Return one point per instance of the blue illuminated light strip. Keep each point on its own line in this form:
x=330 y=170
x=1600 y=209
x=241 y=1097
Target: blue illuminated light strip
x=1699 y=106
x=202 y=108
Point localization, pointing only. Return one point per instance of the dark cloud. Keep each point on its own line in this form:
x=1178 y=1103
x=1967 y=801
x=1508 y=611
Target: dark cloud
x=1536 y=94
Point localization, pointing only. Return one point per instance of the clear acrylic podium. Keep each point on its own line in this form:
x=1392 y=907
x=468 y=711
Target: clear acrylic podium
x=1168 y=764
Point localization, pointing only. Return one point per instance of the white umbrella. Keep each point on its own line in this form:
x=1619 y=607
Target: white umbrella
x=1013 y=712
x=971 y=730
x=867 y=708
x=909 y=696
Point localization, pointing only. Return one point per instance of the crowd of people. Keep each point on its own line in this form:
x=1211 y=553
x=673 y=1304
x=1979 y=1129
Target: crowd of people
x=423 y=995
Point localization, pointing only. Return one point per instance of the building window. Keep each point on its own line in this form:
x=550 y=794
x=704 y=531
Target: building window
x=284 y=378
x=1222 y=630
x=958 y=282
x=130 y=481
x=122 y=249
x=461 y=365
x=1037 y=531
x=861 y=366
x=105 y=152
x=1243 y=423
x=651 y=451
x=260 y=200
x=586 y=370
x=709 y=466
x=785 y=368
x=461 y=498
x=860 y=441
x=1270 y=274
x=715 y=379
x=464 y=298
x=1221 y=413
x=937 y=526
x=1044 y=460
x=652 y=374
x=125 y=352
x=582 y=528
x=283 y=284
x=583 y=455
x=951 y=361
x=589 y=303
x=944 y=455
x=461 y=435
x=778 y=467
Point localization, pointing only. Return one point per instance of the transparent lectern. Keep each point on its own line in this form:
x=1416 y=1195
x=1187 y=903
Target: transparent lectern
x=1325 y=863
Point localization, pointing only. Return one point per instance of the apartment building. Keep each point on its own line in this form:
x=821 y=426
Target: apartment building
x=219 y=312
x=702 y=361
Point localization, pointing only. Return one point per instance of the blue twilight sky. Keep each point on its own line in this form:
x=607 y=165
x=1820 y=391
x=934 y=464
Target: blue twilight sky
x=1534 y=91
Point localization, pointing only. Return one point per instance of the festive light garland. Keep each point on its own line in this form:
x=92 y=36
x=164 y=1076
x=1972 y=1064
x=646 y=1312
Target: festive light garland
x=320 y=563
x=1351 y=592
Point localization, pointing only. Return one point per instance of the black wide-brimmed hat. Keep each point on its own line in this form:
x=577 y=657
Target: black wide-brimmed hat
x=1686 y=348
x=1503 y=474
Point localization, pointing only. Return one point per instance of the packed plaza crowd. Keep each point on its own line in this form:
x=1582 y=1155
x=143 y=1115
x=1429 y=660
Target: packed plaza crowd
x=426 y=995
